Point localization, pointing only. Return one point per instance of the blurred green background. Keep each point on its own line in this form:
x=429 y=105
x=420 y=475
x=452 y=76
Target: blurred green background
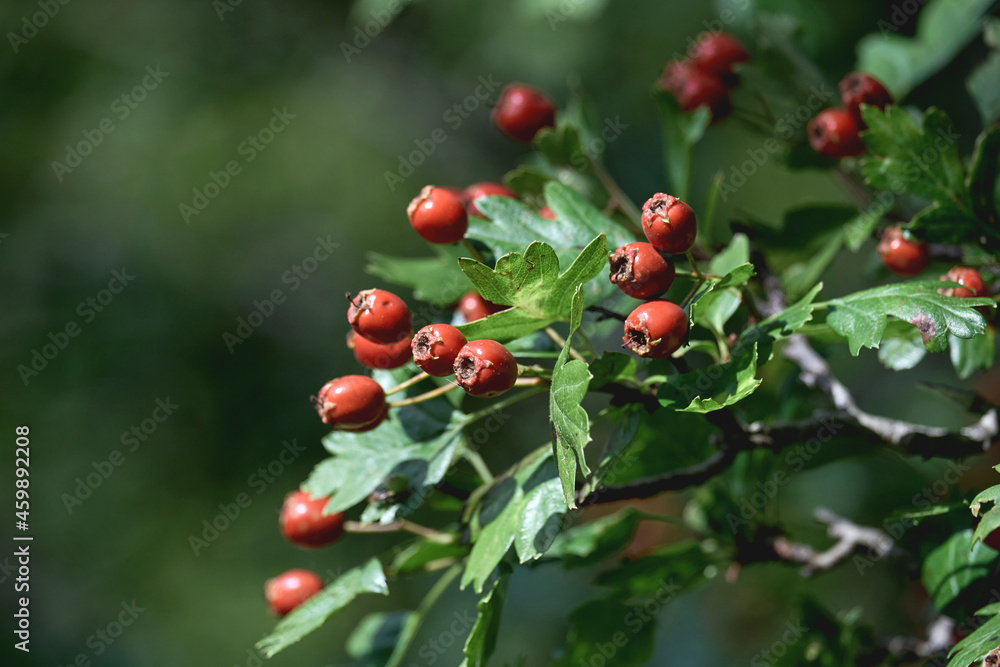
x=347 y=114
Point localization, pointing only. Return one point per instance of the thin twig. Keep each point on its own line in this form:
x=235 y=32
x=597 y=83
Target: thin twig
x=433 y=393
x=420 y=377
x=849 y=536
x=561 y=342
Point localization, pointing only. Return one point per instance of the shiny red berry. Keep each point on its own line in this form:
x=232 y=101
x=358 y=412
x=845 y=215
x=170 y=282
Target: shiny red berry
x=290 y=589
x=717 y=53
x=858 y=88
x=971 y=282
x=547 y=213
x=522 y=111
x=902 y=254
x=374 y=355
x=655 y=329
x=641 y=271
x=438 y=215
x=380 y=316
x=303 y=522
x=485 y=368
x=693 y=87
x=352 y=403
x=435 y=348
x=477 y=191
x=834 y=133
x=669 y=224
x=472 y=306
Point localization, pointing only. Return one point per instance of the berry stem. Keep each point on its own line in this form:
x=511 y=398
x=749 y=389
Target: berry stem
x=532 y=382
x=535 y=371
x=618 y=196
x=433 y=393
x=479 y=464
x=561 y=342
x=420 y=377
x=474 y=251
x=410 y=629
x=398 y=525
x=694 y=267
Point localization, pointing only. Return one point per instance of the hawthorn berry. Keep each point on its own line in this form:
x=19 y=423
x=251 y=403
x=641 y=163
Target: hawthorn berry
x=304 y=524
x=435 y=348
x=971 y=282
x=693 y=87
x=438 y=215
x=522 y=111
x=374 y=355
x=472 y=306
x=485 y=368
x=901 y=254
x=547 y=213
x=640 y=271
x=477 y=191
x=669 y=224
x=290 y=589
x=380 y=316
x=655 y=329
x=858 y=88
x=718 y=53
x=834 y=133
x=352 y=403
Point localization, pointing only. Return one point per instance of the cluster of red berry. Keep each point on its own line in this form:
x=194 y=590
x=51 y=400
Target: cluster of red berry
x=908 y=256
x=706 y=76
x=835 y=132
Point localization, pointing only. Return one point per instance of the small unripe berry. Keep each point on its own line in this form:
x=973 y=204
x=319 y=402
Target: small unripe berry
x=693 y=87
x=304 y=524
x=970 y=280
x=352 y=403
x=472 y=306
x=435 y=348
x=858 y=88
x=640 y=271
x=522 y=111
x=380 y=316
x=901 y=254
x=374 y=355
x=834 y=133
x=655 y=329
x=290 y=589
x=485 y=368
x=718 y=53
x=669 y=224
x=477 y=191
x=438 y=215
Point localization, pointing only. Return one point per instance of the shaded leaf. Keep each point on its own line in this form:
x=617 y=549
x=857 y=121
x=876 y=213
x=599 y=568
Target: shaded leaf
x=712 y=388
x=435 y=280
x=954 y=566
x=592 y=542
x=612 y=626
x=978 y=645
x=969 y=355
x=482 y=639
x=902 y=347
x=376 y=635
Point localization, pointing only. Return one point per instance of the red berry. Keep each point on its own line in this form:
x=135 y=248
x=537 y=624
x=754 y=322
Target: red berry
x=970 y=280
x=438 y=215
x=718 y=53
x=522 y=111
x=352 y=403
x=834 y=133
x=472 y=306
x=993 y=540
x=858 y=88
x=380 y=316
x=655 y=329
x=477 y=191
x=903 y=255
x=303 y=522
x=669 y=224
x=287 y=591
x=640 y=271
x=547 y=213
x=693 y=87
x=485 y=368
x=435 y=348
x=373 y=355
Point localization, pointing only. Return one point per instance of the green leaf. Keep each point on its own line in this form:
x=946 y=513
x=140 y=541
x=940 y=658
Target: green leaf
x=862 y=317
x=312 y=613
x=434 y=280
x=570 y=423
x=944 y=222
x=712 y=388
x=990 y=495
x=414 y=558
x=983 y=172
x=901 y=155
x=610 y=367
x=376 y=635
x=977 y=645
x=982 y=82
x=592 y=542
x=860 y=228
x=902 y=347
x=719 y=300
x=681 y=131
x=987 y=524
x=612 y=626
x=969 y=355
x=482 y=639
x=663 y=574
x=944 y=27
x=954 y=566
